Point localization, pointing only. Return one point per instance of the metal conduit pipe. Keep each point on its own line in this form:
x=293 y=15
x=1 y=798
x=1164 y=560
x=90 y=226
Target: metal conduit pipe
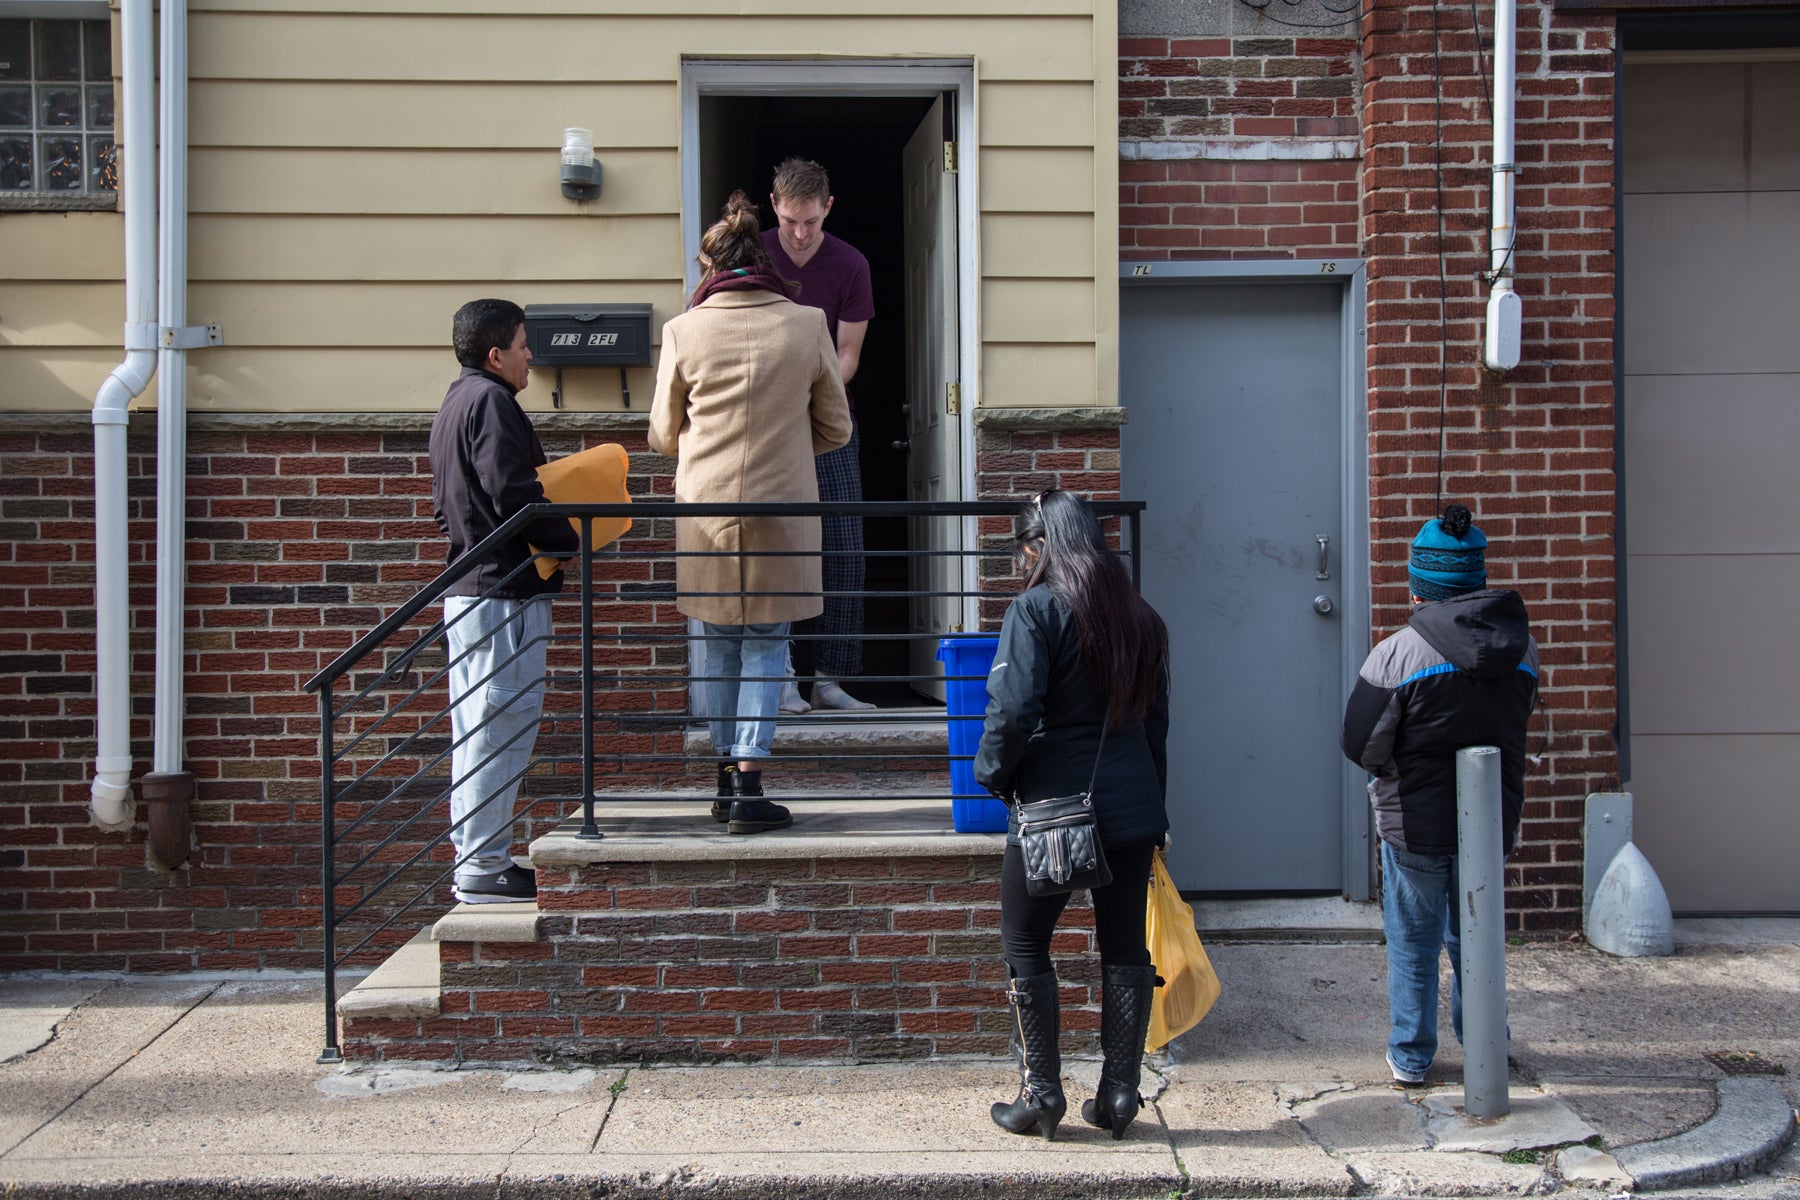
x=169 y=788
x=110 y=805
x=1501 y=347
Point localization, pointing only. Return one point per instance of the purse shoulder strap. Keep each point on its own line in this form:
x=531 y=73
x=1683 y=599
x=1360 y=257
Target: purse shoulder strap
x=1098 y=751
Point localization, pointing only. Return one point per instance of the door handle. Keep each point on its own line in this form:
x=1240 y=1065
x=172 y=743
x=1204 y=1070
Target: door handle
x=901 y=444
x=1324 y=565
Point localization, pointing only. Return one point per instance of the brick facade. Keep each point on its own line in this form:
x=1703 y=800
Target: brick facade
x=1226 y=154
x=1238 y=148
x=1532 y=453
x=860 y=960
x=298 y=542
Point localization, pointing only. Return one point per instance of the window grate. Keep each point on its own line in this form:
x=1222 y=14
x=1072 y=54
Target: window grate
x=57 y=107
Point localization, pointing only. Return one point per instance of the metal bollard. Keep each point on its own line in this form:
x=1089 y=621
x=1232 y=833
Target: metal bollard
x=1482 y=895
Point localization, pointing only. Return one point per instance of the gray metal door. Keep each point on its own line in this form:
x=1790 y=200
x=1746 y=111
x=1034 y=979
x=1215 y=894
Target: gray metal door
x=1234 y=435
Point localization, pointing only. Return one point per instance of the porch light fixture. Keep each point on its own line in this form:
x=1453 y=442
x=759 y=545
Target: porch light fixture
x=580 y=173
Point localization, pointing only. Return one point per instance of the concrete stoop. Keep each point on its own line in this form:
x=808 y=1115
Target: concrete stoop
x=867 y=932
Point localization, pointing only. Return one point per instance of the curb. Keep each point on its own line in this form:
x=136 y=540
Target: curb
x=1754 y=1124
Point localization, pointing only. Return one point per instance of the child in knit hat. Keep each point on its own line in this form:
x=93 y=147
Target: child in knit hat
x=1463 y=672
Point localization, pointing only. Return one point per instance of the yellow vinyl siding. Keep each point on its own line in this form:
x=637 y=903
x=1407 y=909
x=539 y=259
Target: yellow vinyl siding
x=356 y=174
x=1037 y=310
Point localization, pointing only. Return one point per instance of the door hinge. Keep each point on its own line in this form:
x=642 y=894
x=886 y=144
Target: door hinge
x=950 y=156
x=953 y=398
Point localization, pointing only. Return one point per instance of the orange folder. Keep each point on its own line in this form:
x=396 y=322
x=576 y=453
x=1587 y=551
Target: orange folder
x=593 y=476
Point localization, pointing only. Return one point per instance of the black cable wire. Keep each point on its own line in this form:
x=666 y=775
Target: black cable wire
x=1437 y=109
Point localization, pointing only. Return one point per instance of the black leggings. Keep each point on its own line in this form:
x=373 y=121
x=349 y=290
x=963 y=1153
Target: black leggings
x=1027 y=921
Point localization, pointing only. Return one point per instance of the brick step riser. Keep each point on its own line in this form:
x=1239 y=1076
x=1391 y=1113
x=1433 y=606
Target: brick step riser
x=695 y=962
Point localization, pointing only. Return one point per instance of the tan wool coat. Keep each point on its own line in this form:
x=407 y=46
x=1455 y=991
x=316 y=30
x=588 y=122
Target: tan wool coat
x=747 y=392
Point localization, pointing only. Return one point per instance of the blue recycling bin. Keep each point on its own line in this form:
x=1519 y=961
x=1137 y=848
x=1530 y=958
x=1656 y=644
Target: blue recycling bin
x=969 y=654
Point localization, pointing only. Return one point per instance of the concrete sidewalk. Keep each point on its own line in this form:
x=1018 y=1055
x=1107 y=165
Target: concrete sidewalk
x=199 y=1087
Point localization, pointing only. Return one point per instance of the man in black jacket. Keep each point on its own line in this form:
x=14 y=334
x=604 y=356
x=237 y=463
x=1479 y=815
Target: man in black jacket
x=1462 y=673
x=484 y=460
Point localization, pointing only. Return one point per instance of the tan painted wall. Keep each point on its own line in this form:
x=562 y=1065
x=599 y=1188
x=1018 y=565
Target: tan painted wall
x=358 y=174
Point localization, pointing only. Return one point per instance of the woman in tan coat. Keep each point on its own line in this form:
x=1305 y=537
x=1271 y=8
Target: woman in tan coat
x=747 y=392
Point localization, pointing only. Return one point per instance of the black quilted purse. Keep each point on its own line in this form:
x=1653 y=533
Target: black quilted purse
x=1061 y=841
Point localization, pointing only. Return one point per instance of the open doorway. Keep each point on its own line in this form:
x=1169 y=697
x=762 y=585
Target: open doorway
x=865 y=143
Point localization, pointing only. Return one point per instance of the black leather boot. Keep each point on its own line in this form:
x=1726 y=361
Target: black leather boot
x=750 y=813
x=1125 y=996
x=1037 y=1026
x=721 y=808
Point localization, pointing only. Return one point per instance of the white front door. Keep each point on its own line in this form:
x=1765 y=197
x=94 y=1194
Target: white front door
x=934 y=435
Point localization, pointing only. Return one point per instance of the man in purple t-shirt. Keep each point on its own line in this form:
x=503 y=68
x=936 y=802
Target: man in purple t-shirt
x=834 y=276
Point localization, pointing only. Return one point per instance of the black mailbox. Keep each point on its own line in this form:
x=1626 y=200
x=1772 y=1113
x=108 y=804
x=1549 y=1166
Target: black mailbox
x=588 y=335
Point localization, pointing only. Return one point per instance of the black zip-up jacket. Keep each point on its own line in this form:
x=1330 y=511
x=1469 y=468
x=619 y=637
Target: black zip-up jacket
x=484 y=460
x=1463 y=672
x=1044 y=718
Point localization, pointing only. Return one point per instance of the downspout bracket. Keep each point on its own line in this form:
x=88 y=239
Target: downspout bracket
x=193 y=337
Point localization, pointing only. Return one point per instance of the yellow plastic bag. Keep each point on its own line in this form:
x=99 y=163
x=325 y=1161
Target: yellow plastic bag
x=1189 y=984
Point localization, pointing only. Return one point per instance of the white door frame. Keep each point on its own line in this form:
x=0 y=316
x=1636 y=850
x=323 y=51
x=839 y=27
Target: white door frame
x=1358 y=838
x=863 y=77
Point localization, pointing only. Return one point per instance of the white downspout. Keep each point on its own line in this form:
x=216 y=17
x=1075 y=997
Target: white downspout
x=1501 y=349
x=110 y=806
x=168 y=788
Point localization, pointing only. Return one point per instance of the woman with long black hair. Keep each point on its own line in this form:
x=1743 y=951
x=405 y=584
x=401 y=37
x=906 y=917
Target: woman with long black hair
x=1081 y=655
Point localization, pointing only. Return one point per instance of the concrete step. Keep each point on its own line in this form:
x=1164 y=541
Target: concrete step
x=406 y=985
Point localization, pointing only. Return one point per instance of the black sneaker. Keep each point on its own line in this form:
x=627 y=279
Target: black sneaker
x=509 y=886
x=721 y=809
x=758 y=816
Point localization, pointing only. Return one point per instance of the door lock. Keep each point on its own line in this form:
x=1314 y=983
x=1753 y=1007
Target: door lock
x=1323 y=605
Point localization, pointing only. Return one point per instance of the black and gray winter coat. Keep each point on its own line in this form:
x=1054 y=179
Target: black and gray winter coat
x=1044 y=718
x=1464 y=672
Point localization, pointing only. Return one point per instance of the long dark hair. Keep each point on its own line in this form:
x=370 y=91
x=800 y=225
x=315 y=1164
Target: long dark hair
x=1121 y=639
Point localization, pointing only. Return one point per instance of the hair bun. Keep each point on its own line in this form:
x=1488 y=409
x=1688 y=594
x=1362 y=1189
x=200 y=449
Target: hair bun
x=1456 y=521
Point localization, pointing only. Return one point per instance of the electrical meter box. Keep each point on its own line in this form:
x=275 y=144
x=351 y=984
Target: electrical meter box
x=588 y=335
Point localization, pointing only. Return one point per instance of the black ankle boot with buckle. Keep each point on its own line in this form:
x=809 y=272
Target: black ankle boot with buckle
x=750 y=813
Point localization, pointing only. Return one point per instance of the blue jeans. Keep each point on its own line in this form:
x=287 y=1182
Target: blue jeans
x=497 y=653
x=743 y=667
x=1418 y=914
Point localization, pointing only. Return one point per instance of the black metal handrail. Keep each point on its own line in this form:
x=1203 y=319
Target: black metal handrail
x=382 y=745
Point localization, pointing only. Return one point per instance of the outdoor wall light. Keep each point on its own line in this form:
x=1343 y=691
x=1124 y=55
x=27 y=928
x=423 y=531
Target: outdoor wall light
x=580 y=173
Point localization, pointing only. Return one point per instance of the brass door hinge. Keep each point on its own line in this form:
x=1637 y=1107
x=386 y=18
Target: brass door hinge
x=950 y=157
x=953 y=398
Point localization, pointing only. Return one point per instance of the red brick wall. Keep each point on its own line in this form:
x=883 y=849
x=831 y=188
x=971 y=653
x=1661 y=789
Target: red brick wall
x=1219 y=96
x=856 y=959
x=298 y=543
x=1531 y=453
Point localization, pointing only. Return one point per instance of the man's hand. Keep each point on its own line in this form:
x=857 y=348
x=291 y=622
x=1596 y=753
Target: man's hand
x=849 y=347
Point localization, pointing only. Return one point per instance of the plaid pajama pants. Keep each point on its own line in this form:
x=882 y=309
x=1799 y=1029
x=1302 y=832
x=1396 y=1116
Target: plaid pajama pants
x=837 y=654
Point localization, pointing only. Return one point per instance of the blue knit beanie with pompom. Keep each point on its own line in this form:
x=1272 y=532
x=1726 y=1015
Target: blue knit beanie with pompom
x=1449 y=557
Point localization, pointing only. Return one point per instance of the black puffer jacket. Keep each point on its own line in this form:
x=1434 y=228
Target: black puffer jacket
x=484 y=461
x=1463 y=673
x=1043 y=726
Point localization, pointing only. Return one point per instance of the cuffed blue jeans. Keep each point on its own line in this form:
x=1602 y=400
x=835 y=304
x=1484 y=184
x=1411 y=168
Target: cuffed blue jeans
x=742 y=669
x=497 y=660
x=1418 y=914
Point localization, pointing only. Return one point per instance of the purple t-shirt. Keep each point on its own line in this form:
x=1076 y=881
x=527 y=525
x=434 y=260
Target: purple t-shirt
x=835 y=279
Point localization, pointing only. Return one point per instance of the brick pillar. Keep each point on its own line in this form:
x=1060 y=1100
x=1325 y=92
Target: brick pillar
x=1532 y=453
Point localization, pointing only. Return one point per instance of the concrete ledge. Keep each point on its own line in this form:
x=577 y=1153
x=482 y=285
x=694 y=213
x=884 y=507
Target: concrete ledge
x=1095 y=417
x=1754 y=1124
x=511 y=922
x=684 y=831
x=406 y=985
x=829 y=733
